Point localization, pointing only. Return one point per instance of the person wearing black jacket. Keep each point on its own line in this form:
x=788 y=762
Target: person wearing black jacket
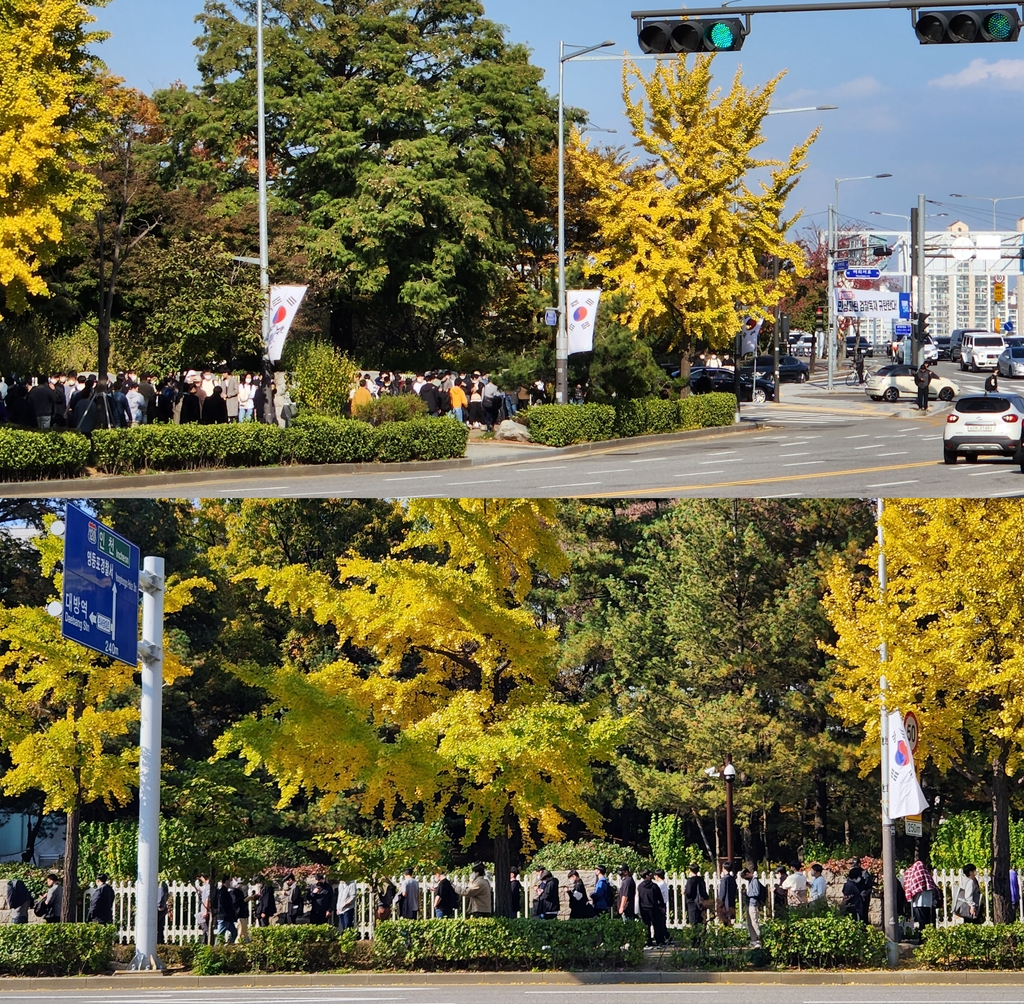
x=430 y=396
x=579 y=908
x=191 y=407
x=266 y=904
x=223 y=904
x=101 y=902
x=652 y=910
x=695 y=896
x=321 y=902
x=293 y=901
x=548 y=903
x=44 y=403
x=627 y=894
x=215 y=409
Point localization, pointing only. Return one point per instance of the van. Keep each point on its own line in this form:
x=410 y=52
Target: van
x=957 y=337
x=980 y=350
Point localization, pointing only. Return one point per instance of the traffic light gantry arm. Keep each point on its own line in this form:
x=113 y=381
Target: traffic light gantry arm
x=796 y=8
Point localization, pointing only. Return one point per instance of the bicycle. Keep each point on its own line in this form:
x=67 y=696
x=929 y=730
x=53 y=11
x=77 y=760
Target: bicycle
x=853 y=379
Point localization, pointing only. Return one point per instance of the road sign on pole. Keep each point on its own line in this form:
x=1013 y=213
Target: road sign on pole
x=101 y=588
x=910 y=723
x=863 y=273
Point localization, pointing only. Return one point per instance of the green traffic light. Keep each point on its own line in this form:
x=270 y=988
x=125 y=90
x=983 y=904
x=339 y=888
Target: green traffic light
x=998 y=26
x=721 y=36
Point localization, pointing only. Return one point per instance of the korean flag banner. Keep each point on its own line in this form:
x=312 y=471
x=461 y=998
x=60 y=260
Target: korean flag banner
x=905 y=795
x=284 y=305
x=580 y=318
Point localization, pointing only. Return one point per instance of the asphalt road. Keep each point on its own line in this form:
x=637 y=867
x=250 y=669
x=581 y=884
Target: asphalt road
x=538 y=994
x=840 y=445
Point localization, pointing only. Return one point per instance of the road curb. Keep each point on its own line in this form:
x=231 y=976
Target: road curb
x=172 y=983
x=142 y=482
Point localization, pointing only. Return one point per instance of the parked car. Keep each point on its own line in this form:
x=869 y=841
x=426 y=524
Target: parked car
x=790 y=368
x=805 y=344
x=942 y=344
x=984 y=424
x=865 y=346
x=723 y=380
x=890 y=383
x=980 y=351
x=1011 y=361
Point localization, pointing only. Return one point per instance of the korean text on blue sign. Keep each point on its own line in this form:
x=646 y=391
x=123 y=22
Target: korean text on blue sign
x=101 y=588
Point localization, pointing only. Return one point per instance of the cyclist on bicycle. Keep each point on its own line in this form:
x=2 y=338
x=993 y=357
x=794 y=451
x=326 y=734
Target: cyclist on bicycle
x=858 y=362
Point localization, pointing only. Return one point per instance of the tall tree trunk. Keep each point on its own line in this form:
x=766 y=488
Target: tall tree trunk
x=69 y=900
x=821 y=808
x=1002 y=908
x=504 y=904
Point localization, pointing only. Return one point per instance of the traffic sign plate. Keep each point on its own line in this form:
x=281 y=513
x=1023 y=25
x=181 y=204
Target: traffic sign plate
x=863 y=273
x=841 y=265
x=915 y=827
x=101 y=588
x=1008 y=327
x=913 y=730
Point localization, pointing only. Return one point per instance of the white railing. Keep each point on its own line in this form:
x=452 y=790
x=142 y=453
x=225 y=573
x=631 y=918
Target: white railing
x=183 y=923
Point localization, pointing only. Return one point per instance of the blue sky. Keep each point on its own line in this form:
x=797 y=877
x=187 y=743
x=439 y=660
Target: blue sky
x=939 y=118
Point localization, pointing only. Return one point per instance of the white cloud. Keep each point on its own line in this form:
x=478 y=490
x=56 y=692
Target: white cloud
x=1006 y=73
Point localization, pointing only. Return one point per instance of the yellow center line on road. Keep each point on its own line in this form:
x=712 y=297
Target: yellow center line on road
x=761 y=481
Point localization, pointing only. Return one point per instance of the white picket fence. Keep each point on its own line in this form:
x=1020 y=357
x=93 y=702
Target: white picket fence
x=184 y=915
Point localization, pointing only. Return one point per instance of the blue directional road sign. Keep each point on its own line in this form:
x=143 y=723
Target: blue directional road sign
x=841 y=265
x=901 y=329
x=863 y=273
x=101 y=588
x=1008 y=327
x=904 y=306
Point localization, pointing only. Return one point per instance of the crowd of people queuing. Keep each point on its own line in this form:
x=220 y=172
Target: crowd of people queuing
x=85 y=402
x=228 y=906
x=473 y=398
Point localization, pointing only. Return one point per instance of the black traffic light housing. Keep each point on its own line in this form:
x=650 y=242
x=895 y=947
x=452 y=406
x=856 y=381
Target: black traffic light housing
x=948 y=27
x=920 y=322
x=882 y=251
x=784 y=328
x=720 y=34
x=819 y=318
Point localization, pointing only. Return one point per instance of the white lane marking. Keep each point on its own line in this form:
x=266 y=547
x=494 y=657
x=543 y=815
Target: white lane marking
x=489 y=481
x=891 y=484
x=537 y=993
x=418 y=477
x=897 y=453
x=989 y=470
x=791 y=495
x=872 y=446
x=804 y=463
x=913 y=428
x=614 y=470
x=725 y=460
x=863 y=435
x=722 y=453
x=646 y=460
x=578 y=484
x=263 y=488
x=806 y=453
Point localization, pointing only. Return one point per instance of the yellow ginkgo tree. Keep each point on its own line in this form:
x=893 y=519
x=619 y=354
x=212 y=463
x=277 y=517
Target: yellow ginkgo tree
x=50 y=131
x=442 y=693
x=684 y=234
x=953 y=617
x=68 y=715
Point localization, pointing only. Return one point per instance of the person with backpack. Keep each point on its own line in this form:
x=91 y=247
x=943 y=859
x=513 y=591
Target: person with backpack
x=602 y=897
x=756 y=896
x=101 y=902
x=18 y=901
x=695 y=897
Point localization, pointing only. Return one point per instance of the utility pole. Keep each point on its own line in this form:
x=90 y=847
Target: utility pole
x=831 y=331
x=261 y=135
x=917 y=265
x=888 y=830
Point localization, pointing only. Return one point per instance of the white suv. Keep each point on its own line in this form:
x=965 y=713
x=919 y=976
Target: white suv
x=980 y=351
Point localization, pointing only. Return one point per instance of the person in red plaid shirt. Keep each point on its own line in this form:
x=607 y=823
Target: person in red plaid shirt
x=922 y=893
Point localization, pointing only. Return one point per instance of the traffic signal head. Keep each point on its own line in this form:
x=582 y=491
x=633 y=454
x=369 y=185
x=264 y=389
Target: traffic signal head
x=920 y=326
x=723 y=34
x=942 y=27
x=784 y=327
x=819 y=318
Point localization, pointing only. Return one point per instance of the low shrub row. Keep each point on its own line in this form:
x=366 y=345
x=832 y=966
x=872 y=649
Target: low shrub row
x=304 y=948
x=55 y=949
x=565 y=424
x=26 y=456
x=497 y=943
x=824 y=942
x=973 y=946
x=311 y=440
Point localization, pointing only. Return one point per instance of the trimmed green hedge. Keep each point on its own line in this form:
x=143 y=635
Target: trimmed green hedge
x=565 y=424
x=26 y=455
x=497 y=943
x=55 y=949
x=973 y=946
x=823 y=942
x=311 y=440
x=300 y=948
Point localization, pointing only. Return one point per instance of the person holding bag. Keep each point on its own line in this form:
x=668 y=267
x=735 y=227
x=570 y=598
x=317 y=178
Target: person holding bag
x=967 y=905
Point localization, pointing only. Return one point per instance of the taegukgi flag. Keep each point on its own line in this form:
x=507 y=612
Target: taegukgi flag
x=284 y=305
x=581 y=317
x=905 y=795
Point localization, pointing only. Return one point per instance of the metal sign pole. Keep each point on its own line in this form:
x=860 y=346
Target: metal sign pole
x=151 y=581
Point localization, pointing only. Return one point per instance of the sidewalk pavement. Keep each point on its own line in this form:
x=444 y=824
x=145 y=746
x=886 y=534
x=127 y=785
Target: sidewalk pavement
x=177 y=982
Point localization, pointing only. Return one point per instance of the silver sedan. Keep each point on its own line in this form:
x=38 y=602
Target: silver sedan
x=1011 y=362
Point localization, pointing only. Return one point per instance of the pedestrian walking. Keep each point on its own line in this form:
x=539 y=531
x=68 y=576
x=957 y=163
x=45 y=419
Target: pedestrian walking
x=446 y=899
x=576 y=891
x=627 y=894
x=652 y=909
x=321 y=901
x=547 y=902
x=101 y=903
x=266 y=903
x=602 y=897
x=293 y=899
x=967 y=904
x=818 y=885
x=163 y=899
x=726 y=896
x=517 y=890
x=754 y=896
x=853 y=899
x=921 y=892
x=695 y=897
x=49 y=903
x=225 y=910
x=479 y=897
x=346 y=906
x=408 y=896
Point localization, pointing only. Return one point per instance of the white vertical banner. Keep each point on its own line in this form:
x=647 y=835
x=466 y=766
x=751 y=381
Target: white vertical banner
x=581 y=316
x=284 y=305
x=905 y=795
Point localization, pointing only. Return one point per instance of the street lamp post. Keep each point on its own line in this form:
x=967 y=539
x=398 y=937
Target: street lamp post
x=987 y=198
x=833 y=241
x=261 y=133
x=729 y=773
x=562 y=336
